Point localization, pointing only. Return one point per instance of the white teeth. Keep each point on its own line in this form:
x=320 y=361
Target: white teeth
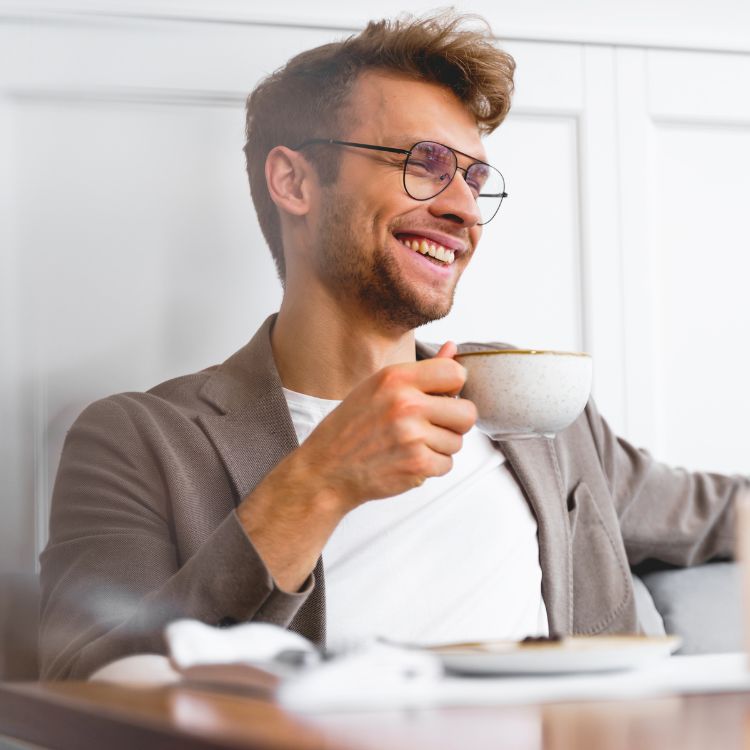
x=429 y=248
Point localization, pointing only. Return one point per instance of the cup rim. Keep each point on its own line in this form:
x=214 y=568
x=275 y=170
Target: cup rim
x=521 y=351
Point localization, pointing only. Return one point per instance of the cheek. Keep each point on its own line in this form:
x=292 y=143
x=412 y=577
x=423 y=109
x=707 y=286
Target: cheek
x=475 y=234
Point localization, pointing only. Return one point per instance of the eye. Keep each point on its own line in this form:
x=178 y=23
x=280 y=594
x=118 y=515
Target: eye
x=431 y=160
x=476 y=177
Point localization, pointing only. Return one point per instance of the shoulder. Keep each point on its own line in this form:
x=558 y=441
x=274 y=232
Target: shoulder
x=174 y=401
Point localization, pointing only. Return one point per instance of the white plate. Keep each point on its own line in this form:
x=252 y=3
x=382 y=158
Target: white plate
x=570 y=655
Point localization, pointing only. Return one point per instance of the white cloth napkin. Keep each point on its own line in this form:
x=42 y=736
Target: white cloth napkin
x=262 y=656
x=193 y=643
x=371 y=676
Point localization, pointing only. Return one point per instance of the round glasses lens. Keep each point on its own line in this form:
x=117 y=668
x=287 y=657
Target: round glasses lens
x=488 y=187
x=428 y=170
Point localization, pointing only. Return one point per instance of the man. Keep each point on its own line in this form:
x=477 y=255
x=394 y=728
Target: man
x=288 y=485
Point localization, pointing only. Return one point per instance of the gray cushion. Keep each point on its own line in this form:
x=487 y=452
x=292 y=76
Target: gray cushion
x=649 y=618
x=703 y=605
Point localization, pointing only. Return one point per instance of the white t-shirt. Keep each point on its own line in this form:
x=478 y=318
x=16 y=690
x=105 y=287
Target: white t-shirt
x=456 y=559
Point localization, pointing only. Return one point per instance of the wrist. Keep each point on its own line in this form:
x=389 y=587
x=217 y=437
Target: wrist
x=294 y=493
x=305 y=476
x=288 y=518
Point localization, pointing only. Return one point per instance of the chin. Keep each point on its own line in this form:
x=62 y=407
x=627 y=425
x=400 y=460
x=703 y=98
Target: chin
x=409 y=317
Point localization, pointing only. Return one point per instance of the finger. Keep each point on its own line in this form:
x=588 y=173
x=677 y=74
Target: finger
x=433 y=464
x=440 y=440
x=447 y=350
x=456 y=414
x=438 y=375
x=442 y=464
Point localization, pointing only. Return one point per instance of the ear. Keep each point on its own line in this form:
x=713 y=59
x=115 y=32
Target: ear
x=290 y=178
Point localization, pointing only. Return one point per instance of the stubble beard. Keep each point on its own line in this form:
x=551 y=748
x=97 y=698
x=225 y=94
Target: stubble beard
x=371 y=279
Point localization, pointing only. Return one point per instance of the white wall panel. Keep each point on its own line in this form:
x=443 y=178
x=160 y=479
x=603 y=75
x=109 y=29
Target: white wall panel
x=145 y=259
x=685 y=156
x=702 y=272
x=698 y=87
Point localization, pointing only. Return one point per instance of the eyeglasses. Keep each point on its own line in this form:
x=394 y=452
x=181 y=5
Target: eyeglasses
x=430 y=167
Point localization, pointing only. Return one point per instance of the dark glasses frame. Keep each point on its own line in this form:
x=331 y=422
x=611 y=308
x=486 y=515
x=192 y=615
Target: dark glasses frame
x=408 y=153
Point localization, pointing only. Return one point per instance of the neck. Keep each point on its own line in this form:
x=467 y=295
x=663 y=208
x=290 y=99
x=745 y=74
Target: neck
x=325 y=351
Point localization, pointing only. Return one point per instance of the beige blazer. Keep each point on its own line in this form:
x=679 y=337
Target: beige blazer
x=143 y=528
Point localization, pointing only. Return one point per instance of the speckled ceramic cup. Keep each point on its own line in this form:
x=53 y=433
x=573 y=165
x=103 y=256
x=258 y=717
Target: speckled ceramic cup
x=526 y=393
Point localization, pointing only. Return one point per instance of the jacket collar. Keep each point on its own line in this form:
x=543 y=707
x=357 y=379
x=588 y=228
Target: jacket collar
x=253 y=430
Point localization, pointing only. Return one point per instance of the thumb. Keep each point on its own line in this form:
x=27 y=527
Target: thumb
x=447 y=350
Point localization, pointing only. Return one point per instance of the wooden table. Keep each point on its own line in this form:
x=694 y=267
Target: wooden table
x=78 y=716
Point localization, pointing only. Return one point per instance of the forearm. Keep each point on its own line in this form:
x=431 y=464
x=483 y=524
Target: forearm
x=289 y=517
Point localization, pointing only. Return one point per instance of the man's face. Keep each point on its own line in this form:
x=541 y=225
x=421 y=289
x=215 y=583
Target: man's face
x=368 y=224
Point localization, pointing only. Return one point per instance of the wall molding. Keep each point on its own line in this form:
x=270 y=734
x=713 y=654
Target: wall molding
x=661 y=31
x=128 y=95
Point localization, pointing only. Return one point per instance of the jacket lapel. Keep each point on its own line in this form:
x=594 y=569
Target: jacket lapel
x=252 y=433
x=253 y=430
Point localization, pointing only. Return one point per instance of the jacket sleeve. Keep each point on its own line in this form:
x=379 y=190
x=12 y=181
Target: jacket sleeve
x=111 y=574
x=667 y=514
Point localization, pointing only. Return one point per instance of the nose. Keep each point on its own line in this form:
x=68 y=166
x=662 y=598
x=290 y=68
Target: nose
x=457 y=203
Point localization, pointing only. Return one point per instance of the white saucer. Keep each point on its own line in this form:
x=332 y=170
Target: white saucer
x=569 y=655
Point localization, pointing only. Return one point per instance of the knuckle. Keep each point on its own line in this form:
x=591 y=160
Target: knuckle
x=403 y=406
x=406 y=432
x=449 y=370
x=453 y=370
x=420 y=463
x=391 y=377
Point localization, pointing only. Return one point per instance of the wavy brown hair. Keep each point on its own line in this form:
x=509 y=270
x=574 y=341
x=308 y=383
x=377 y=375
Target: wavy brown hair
x=304 y=98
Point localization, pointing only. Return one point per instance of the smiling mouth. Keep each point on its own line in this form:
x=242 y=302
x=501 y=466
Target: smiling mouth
x=432 y=250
